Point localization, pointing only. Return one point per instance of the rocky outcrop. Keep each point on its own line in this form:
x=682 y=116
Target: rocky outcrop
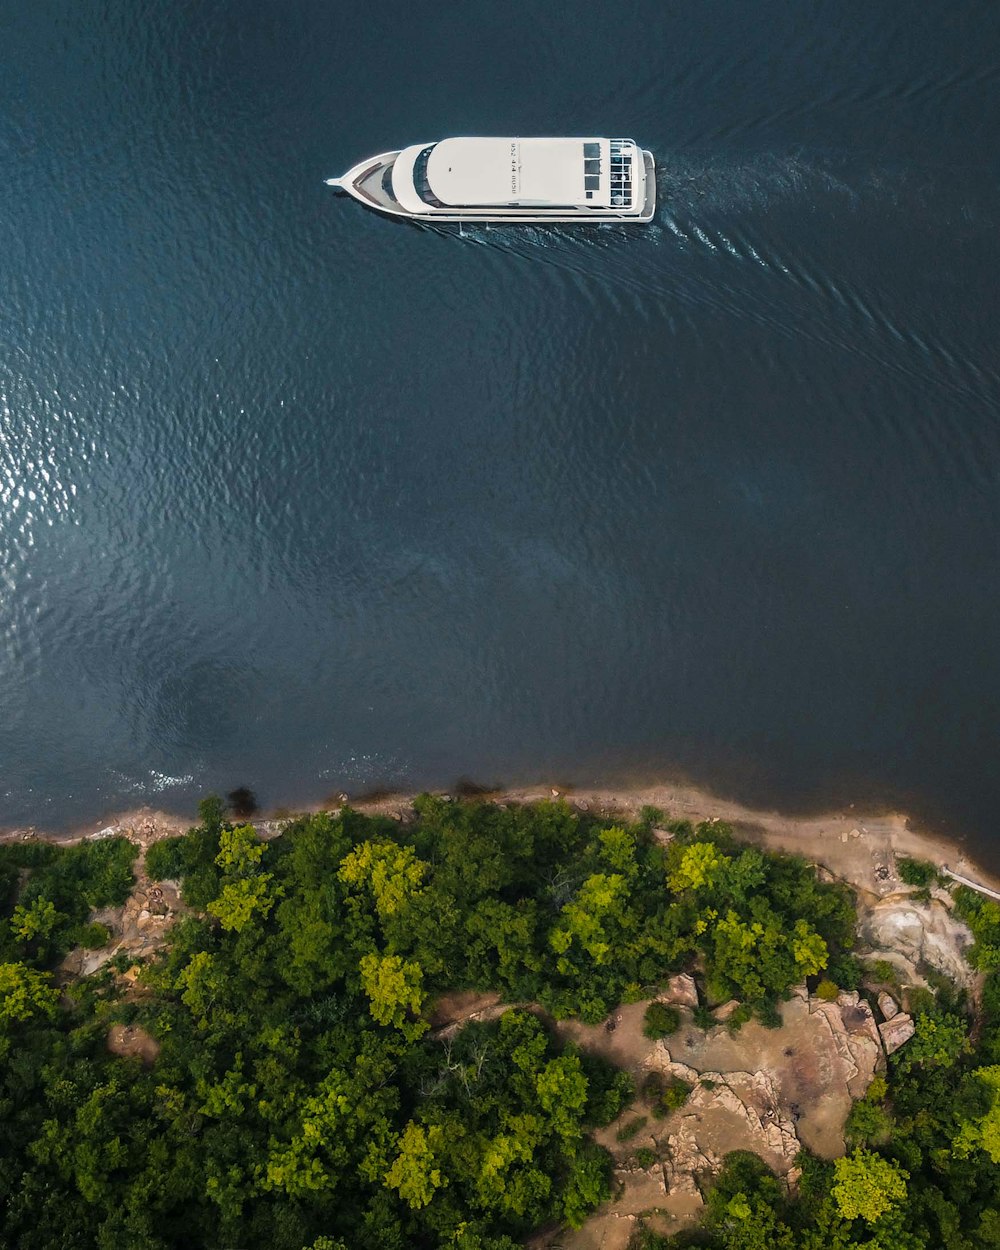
x=725 y=1111
x=920 y=933
x=887 y=1005
x=723 y=1013
x=896 y=1031
x=682 y=991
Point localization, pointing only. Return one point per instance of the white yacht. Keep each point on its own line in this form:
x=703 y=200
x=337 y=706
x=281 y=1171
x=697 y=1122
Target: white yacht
x=509 y=180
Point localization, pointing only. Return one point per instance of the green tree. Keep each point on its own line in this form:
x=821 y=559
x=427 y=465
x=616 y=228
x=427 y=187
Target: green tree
x=660 y=1020
x=808 y=949
x=240 y=851
x=940 y=1039
x=983 y=1131
x=394 y=987
x=587 y=1186
x=391 y=873
x=247 y=891
x=591 y=919
x=700 y=867
x=36 y=921
x=562 y=1094
x=25 y=994
x=243 y=900
x=866 y=1186
x=414 y=1174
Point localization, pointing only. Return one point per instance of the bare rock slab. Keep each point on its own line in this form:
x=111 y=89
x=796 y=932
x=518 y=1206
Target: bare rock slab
x=682 y=991
x=896 y=1031
x=887 y=1006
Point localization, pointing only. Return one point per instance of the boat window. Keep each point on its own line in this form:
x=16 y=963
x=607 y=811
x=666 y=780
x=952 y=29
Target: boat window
x=387 y=182
x=592 y=182
x=621 y=174
x=420 y=183
x=591 y=151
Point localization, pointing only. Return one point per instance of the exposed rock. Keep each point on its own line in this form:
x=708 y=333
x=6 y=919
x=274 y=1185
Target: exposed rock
x=920 y=932
x=737 y=1110
x=127 y=1040
x=896 y=1031
x=682 y=991
x=854 y=1037
x=887 y=1005
x=723 y=1013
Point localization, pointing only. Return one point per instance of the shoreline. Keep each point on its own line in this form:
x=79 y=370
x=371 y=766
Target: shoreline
x=855 y=845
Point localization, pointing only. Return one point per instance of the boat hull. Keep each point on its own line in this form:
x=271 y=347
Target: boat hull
x=366 y=183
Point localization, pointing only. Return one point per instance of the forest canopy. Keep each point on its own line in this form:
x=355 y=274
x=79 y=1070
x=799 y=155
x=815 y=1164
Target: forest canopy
x=301 y=1096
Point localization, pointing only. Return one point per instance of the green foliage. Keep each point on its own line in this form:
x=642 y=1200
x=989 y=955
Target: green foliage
x=394 y=988
x=828 y=991
x=664 y=1094
x=866 y=1185
x=982 y=915
x=869 y=1122
x=47 y=892
x=413 y=1173
x=299 y=1099
x=698 y=866
x=631 y=1128
x=644 y=1157
x=660 y=1020
x=884 y=972
x=940 y=1039
x=165 y=859
x=918 y=872
x=35 y=921
x=982 y=1131
x=25 y=994
x=93 y=936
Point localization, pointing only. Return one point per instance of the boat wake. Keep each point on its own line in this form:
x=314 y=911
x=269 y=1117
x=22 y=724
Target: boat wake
x=717 y=244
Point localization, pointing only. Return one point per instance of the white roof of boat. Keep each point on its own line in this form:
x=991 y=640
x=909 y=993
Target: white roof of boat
x=470 y=171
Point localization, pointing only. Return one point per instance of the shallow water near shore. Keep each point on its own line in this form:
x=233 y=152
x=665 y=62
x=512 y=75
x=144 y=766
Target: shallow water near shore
x=296 y=497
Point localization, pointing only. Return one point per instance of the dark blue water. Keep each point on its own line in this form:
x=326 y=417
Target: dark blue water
x=297 y=497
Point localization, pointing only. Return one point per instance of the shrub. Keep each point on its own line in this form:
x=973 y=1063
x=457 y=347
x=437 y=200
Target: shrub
x=650 y=816
x=846 y=970
x=632 y=1128
x=883 y=970
x=767 y=1013
x=93 y=936
x=660 y=1020
x=101 y=871
x=743 y=1015
x=703 y=1018
x=165 y=859
x=918 y=872
x=664 y=1094
x=827 y=990
x=610 y=1090
x=645 y=1157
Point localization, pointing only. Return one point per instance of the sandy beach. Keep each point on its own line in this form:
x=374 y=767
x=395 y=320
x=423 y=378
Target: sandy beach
x=857 y=846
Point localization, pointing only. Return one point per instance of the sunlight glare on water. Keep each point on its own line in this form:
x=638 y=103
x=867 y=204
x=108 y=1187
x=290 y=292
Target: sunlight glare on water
x=297 y=497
